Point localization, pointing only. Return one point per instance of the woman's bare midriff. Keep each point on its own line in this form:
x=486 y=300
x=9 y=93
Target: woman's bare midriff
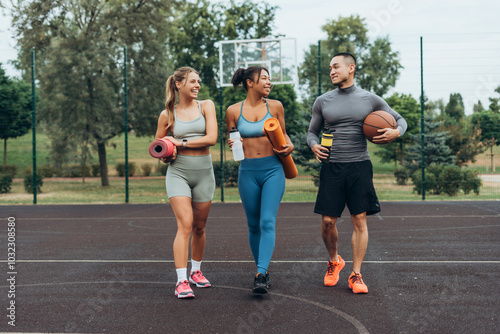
x=257 y=147
x=193 y=151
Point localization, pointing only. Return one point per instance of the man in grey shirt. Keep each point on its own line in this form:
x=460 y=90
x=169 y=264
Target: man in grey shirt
x=347 y=177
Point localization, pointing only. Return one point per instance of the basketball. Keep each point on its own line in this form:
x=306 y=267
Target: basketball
x=377 y=120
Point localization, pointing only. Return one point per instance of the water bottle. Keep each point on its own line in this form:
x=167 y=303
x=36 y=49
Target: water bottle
x=327 y=141
x=237 y=148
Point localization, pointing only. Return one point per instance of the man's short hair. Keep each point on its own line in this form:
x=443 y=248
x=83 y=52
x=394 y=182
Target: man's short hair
x=350 y=57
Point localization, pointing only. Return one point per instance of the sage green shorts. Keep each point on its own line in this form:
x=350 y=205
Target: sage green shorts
x=191 y=176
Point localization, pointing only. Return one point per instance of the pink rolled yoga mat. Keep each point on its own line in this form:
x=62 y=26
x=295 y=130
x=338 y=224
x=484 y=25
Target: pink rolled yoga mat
x=161 y=148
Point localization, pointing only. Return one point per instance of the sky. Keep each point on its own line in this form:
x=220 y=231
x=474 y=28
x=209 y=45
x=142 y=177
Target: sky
x=461 y=40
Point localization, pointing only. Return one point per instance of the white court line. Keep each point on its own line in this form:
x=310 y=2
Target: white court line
x=250 y=261
x=352 y=320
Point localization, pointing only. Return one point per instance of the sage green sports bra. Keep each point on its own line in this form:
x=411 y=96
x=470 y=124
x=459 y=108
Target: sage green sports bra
x=190 y=130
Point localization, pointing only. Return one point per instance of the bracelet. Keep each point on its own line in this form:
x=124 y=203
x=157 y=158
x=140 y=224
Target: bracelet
x=184 y=143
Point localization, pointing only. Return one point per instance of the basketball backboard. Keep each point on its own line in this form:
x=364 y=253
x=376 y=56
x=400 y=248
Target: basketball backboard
x=278 y=55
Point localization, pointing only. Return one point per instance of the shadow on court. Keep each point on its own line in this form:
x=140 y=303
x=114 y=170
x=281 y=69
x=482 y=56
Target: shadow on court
x=431 y=267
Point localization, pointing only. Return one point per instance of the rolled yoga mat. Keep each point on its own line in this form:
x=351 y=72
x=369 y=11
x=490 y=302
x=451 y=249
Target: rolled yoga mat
x=273 y=131
x=161 y=148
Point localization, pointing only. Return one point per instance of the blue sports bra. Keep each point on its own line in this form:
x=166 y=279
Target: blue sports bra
x=249 y=129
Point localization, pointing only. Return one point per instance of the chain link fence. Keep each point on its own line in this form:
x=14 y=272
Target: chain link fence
x=463 y=68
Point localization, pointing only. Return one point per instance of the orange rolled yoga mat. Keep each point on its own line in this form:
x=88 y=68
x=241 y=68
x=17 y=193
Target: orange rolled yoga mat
x=273 y=131
x=161 y=148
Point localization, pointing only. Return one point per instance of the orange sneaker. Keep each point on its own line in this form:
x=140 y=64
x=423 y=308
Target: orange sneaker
x=356 y=284
x=332 y=274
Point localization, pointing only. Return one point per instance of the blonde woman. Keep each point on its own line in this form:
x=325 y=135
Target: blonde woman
x=190 y=180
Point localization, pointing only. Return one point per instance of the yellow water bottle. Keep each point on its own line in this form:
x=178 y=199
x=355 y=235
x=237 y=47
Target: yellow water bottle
x=327 y=141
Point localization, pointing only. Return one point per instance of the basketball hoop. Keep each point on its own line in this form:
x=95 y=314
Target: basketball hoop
x=277 y=55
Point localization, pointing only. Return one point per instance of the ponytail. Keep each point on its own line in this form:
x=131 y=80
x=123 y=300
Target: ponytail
x=238 y=78
x=170 y=93
x=242 y=75
x=170 y=103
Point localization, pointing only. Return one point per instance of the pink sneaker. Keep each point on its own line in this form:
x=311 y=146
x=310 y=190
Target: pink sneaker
x=183 y=290
x=198 y=279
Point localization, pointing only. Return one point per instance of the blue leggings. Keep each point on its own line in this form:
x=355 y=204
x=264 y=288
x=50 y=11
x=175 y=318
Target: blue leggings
x=261 y=183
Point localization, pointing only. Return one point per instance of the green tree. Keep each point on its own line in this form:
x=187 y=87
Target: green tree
x=463 y=141
x=304 y=156
x=378 y=66
x=495 y=102
x=454 y=110
x=488 y=122
x=79 y=46
x=199 y=25
x=434 y=108
x=435 y=149
x=193 y=39
x=379 y=69
x=294 y=119
x=15 y=109
x=478 y=107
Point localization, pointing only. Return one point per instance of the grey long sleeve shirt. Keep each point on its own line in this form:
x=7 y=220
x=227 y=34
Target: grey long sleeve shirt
x=344 y=110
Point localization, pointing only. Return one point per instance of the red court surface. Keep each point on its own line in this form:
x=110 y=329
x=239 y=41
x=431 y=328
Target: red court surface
x=431 y=267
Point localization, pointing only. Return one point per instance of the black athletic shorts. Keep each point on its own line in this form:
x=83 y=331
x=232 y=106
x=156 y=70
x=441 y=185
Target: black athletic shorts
x=346 y=183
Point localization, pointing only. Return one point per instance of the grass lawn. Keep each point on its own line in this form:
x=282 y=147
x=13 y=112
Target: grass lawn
x=152 y=189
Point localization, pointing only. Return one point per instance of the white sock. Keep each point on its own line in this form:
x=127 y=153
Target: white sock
x=195 y=265
x=181 y=274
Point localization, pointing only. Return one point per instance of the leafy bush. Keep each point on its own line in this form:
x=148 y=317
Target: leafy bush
x=28 y=183
x=5 y=183
x=471 y=182
x=8 y=170
x=45 y=170
x=430 y=182
x=146 y=168
x=120 y=168
x=230 y=173
x=76 y=171
x=96 y=169
x=402 y=175
x=57 y=170
x=448 y=179
x=451 y=179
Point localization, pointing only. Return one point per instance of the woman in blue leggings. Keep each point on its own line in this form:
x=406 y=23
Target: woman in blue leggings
x=261 y=180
